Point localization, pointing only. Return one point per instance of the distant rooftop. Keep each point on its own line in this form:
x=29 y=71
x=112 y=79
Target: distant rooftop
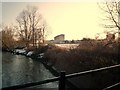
x=59 y=35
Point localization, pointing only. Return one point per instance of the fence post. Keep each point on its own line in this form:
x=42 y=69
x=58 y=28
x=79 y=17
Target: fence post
x=62 y=80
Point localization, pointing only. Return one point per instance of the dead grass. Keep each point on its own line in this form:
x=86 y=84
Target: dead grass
x=86 y=56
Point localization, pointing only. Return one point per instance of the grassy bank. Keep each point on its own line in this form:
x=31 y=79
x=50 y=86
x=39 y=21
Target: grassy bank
x=86 y=57
x=82 y=58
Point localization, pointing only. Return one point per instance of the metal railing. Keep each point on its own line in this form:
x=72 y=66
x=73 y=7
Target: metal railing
x=112 y=86
x=62 y=79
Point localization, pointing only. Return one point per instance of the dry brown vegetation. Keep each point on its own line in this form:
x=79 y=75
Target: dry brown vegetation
x=86 y=56
x=89 y=55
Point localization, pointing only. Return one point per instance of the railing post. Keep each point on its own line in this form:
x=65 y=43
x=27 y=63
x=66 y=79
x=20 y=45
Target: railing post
x=62 y=80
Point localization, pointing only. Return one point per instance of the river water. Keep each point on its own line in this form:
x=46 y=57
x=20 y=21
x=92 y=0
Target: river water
x=18 y=69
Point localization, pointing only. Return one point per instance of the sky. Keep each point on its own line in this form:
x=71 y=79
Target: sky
x=74 y=19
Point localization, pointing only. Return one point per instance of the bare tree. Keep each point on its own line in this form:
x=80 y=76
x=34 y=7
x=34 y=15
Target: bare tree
x=30 y=25
x=112 y=10
x=8 y=39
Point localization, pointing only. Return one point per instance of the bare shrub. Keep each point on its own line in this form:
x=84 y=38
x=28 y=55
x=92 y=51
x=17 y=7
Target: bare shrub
x=88 y=55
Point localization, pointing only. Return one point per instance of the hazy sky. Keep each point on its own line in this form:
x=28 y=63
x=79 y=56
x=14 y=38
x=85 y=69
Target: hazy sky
x=75 y=20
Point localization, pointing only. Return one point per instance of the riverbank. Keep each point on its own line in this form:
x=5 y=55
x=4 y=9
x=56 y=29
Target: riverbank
x=85 y=58
x=77 y=60
x=43 y=61
x=18 y=70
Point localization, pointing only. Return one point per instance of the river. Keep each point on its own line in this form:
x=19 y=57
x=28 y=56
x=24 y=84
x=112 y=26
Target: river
x=18 y=69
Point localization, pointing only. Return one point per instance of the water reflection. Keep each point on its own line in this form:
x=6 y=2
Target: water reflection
x=18 y=69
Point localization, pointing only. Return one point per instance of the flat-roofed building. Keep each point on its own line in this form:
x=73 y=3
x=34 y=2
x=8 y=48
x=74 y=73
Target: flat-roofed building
x=59 y=38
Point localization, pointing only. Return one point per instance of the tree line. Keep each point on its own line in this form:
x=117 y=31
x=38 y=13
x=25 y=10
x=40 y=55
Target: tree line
x=30 y=29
